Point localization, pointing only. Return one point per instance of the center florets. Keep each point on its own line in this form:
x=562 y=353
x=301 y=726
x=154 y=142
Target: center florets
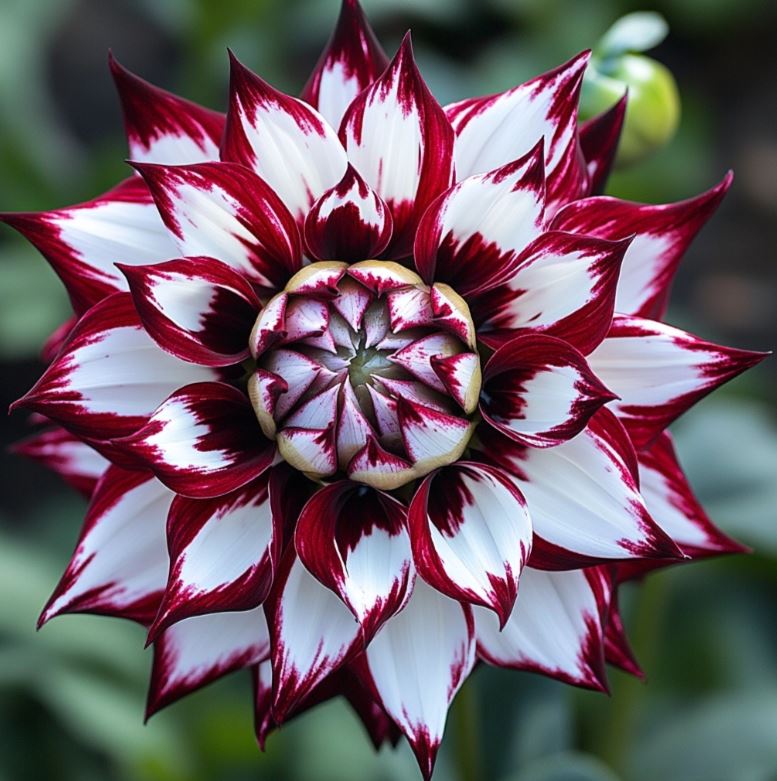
x=364 y=369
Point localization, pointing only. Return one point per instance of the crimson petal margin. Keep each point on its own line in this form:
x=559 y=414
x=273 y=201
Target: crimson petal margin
x=355 y=542
x=599 y=138
x=399 y=140
x=658 y=372
x=196 y=651
x=83 y=242
x=352 y=60
x=288 y=143
x=226 y=211
x=109 y=350
x=119 y=566
x=203 y=441
x=662 y=233
x=495 y=129
x=557 y=627
x=223 y=553
x=162 y=127
x=471 y=535
x=582 y=496
x=563 y=284
x=196 y=308
x=540 y=391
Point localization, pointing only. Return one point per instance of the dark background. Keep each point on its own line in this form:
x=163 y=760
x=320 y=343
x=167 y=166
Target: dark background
x=71 y=697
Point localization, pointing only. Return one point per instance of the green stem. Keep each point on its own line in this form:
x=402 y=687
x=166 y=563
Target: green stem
x=466 y=734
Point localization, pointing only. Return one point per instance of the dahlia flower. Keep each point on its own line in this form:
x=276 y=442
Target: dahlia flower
x=364 y=389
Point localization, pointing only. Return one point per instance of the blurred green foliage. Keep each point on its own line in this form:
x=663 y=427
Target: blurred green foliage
x=71 y=697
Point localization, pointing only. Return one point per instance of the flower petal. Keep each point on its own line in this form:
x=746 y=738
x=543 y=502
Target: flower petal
x=472 y=233
x=203 y=441
x=351 y=61
x=539 y=391
x=354 y=541
x=617 y=649
x=119 y=566
x=348 y=222
x=557 y=627
x=599 y=138
x=471 y=535
x=78 y=464
x=223 y=552
x=312 y=634
x=582 y=496
x=661 y=233
x=196 y=651
x=564 y=285
x=288 y=143
x=110 y=375
x=83 y=242
x=226 y=211
x=196 y=308
x=162 y=127
x=658 y=372
x=494 y=130
x=418 y=662
x=398 y=138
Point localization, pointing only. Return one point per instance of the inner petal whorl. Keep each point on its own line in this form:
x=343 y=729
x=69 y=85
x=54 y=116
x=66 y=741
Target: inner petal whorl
x=358 y=370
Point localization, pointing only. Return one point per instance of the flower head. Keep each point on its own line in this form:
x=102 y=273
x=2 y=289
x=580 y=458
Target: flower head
x=363 y=389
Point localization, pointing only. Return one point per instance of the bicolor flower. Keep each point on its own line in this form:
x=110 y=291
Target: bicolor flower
x=363 y=388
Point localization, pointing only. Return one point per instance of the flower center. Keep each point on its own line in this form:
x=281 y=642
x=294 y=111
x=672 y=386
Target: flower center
x=364 y=370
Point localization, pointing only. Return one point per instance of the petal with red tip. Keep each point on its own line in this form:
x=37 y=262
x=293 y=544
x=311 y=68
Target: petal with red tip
x=540 y=391
x=376 y=466
x=195 y=308
x=418 y=662
x=471 y=535
x=82 y=243
x=617 y=649
x=348 y=222
x=471 y=235
x=399 y=140
x=461 y=376
x=196 y=651
x=658 y=372
x=162 y=127
x=671 y=501
x=223 y=552
x=288 y=143
x=662 y=233
x=312 y=634
x=352 y=60
x=119 y=566
x=582 y=496
x=110 y=375
x=78 y=464
x=355 y=542
x=203 y=441
x=599 y=138
x=227 y=212
x=494 y=130
x=564 y=285
x=557 y=627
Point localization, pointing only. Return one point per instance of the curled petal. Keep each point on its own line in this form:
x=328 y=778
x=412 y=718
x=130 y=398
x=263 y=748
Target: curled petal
x=354 y=541
x=599 y=138
x=348 y=222
x=162 y=127
x=662 y=233
x=471 y=535
x=195 y=308
x=557 y=627
x=203 y=441
x=227 y=212
x=399 y=140
x=119 y=566
x=288 y=143
x=351 y=61
x=658 y=372
x=540 y=391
